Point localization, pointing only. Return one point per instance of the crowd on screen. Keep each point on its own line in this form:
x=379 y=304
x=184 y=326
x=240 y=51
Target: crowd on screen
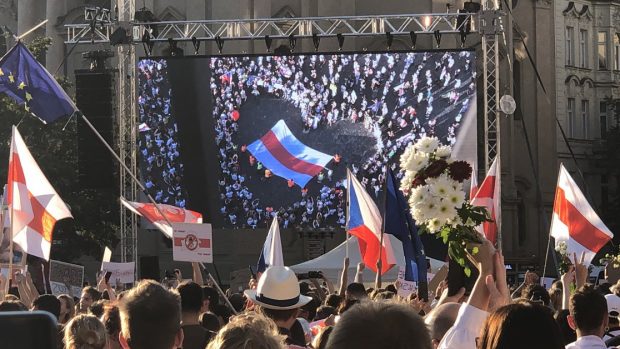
x=158 y=143
x=284 y=310
x=397 y=98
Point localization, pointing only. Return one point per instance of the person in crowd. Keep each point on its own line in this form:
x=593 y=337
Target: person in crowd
x=568 y=334
x=98 y=307
x=440 y=320
x=48 y=303
x=111 y=320
x=536 y=293
x=248 y=331
x=378 y=321
x=85 y=332
x=333 y=300
x=150 y=317
x=67 y=308
x=521 y=325
x=210 y=322
x=320 y=341
x=279 y=299
x=613 y=328
x=588 y=317
x=89 y=296
x=195 y=335
x=12 y=305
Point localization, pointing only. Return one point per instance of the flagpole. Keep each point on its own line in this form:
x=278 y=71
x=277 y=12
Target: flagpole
x=346 y=226
x=379 y=263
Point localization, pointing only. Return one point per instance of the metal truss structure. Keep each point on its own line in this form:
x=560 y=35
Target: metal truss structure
x=487 y=20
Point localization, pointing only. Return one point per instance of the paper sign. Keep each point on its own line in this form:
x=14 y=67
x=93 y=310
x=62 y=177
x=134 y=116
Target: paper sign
x=124 y=272
x=66 y=274
x=403 y=287
x=107 y=254
x=547 y=282
x=192 y=243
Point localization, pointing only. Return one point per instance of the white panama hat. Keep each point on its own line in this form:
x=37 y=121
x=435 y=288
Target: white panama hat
x=278 y=288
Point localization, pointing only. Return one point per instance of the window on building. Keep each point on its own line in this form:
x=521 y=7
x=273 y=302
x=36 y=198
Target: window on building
x=570 y=112
x=570 y=46
x=583 y=120
x=617 y=51
x=603 y=118
x=602 y=50
x=583 y=48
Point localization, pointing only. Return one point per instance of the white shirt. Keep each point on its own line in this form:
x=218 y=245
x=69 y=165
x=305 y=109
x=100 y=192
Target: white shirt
x=466 y=328
x=587 y=342
x=615 y=333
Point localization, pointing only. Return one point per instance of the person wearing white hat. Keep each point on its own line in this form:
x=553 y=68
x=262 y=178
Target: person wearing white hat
x=613 y=309
x=279 y=298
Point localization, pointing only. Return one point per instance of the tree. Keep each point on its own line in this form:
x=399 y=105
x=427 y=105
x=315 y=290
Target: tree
x=54 y=147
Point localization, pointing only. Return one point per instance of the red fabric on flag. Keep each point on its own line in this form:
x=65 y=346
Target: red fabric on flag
x=369 y=249
x=272 y=143
x=485 y=196
x=578 y=225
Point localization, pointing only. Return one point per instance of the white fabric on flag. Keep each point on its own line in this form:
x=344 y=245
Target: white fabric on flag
x=36 y=205
x=489 y=195
x=173 y=213
x=273 y=245
x=575 y=222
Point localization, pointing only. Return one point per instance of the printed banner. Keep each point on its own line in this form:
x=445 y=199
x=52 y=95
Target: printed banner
x=66 y=278
x=404 y=288
x=124 y=272
x=192 y=243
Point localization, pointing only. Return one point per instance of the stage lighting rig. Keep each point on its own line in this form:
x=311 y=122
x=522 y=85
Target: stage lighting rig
x=97 y=58
x=292 y=41
x=316 y=40
x=175 y=51
x=438 y=38
x=220 y=43
x=147 y=43
x=414 y=38
x=389 y=38
x=268 y=41
x=196 y=44
x=340 y=38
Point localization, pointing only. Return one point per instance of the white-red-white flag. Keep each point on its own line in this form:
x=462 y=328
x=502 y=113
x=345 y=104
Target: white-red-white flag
x=489 y=195
x=173 y=213
x=36 y=205
x=473 y=182
x=575 y=222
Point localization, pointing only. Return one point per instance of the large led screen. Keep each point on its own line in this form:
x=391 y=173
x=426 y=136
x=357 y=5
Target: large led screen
x=241 y=138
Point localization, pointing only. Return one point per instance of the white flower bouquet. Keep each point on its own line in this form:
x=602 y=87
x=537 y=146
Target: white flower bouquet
x=434 y=184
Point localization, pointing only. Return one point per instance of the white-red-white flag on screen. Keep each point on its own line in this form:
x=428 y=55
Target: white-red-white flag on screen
x=173 y=213
x=489 y=195
x=36 y=205
x=575 y=222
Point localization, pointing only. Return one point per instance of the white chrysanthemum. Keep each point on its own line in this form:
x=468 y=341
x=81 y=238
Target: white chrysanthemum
x=445 y=211
x=405 y=183
x=441 y=186
x=434 y=225
x=429 y=208
x=417 y=161
x=427 y=144
x=404 y=158
x=456 y=198
x=444 y=151
x=419 y=195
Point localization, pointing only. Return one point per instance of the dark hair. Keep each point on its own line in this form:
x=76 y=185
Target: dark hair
x=92 y=292
x=323 y=312
x=311 y=308
x=515 y=325
x=210 y=322
x=279 y=314
x=237 y=301
x=356 y=290
x=150 y=316
x=111 y=319
x=97 y=307
x=222 y=311
x=536 y=293
x=346 y=305
x=372 y=325
x=191 y=296
x=49 y=303
x=297 y=335
x=211 y=294
x=589 y=309
x=391 y=288
x=333 y=300
x=12 y=306
x=568 y=334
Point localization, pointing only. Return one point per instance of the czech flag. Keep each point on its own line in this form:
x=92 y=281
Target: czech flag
x=282 y=153
x=364 y=222
x=575 y=222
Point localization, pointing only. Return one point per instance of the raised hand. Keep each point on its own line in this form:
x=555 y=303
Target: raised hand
x=581 y=270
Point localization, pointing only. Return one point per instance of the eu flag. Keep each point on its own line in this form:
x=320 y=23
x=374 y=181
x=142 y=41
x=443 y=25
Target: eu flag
x=25 y=80
x=399 y=223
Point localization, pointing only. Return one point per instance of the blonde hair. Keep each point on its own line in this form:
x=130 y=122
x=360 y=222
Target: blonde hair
x=248 y=331
x=70 y=308
x=85 y=332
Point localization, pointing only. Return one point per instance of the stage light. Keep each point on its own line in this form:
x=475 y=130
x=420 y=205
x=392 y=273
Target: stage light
x=389 y=38
x=426 y=21
x=438 y=38
x=268 y=42
x=463 y=38
x=316 y=40
x=414 y=39
x=196 y=44
x=292 y=42
x=340 y=38
x=174 y=50
x=147 y=43
x=220 y=43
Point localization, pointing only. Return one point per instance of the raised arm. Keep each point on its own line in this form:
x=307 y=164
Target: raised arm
x=344 y=282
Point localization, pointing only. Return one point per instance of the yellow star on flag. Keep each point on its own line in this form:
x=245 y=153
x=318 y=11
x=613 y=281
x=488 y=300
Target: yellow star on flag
x=21 y=85
x=28 y=96
x=11 y=78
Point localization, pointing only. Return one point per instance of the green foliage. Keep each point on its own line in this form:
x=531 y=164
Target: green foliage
x=54 y=147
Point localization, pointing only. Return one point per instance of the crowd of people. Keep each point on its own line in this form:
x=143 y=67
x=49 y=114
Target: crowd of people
x=161 y=166
x=398 y=97
x=279 y=310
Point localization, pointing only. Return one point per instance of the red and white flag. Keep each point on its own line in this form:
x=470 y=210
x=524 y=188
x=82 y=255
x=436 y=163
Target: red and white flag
x=575 y=222
x=173 y=213
x=36 y=205
x=489 y=195
x=473 y=182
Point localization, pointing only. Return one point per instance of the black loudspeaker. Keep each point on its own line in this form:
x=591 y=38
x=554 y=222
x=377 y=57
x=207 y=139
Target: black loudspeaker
x=94 y=94
x=149 y=268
